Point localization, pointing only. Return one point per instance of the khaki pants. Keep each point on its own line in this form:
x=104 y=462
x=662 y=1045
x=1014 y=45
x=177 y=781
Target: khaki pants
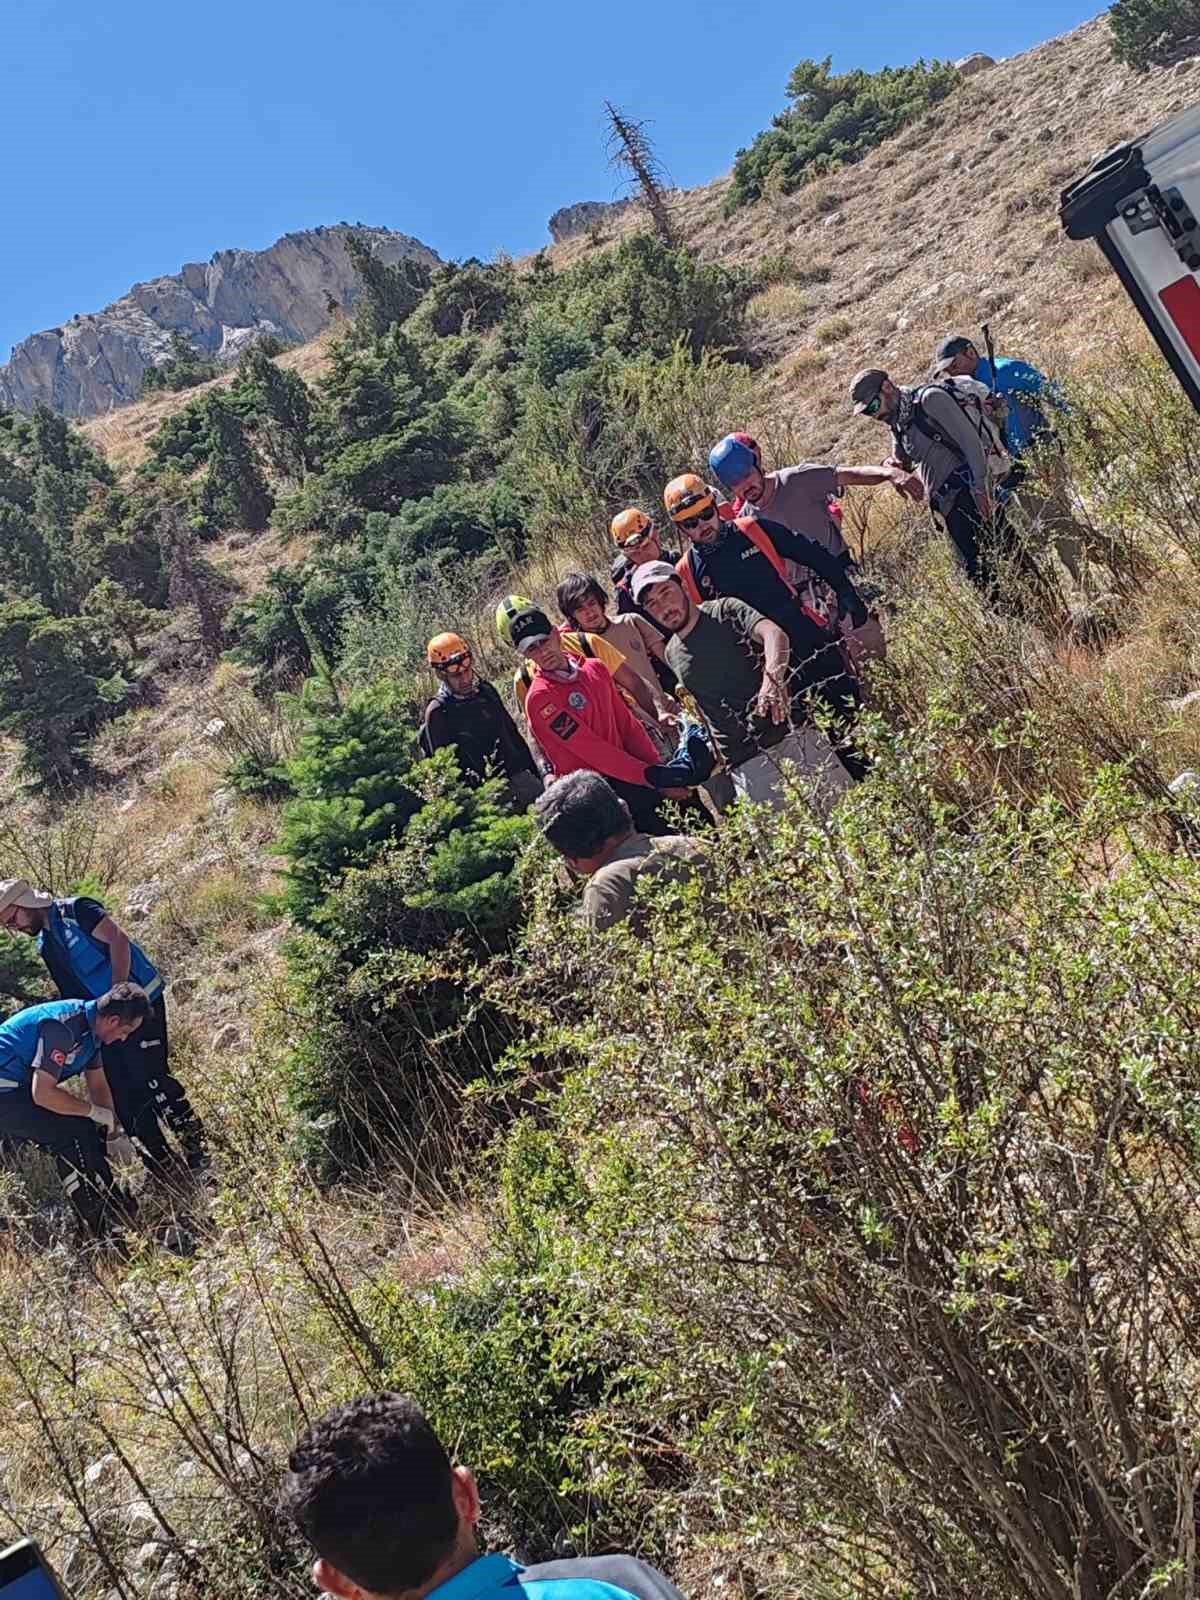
x=1046 y=511
x=817 y=771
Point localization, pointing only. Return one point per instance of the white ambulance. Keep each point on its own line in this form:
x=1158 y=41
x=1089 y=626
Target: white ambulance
x=1139 y=201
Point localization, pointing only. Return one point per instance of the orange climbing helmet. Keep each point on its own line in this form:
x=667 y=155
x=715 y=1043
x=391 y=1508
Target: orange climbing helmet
x=446 y=649
x=685 y=493
x=630 y=526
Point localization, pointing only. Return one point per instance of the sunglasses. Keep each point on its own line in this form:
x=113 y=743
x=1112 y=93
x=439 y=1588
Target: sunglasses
x=452 y=663
x=697 y=517
x=871 y=409
x=635 y=539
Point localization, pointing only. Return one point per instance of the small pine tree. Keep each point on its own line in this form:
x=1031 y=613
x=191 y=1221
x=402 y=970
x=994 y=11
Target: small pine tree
x=184 y=368
x=236 y=493
x=352 y=800
x=23 y=978
x=282 y=407
x=57 y=681
x=119 y=614
x=388 y=295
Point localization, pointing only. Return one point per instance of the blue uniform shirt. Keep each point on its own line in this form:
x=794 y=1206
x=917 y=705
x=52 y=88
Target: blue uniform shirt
x=81 y=964
x=57 y=1037
x=1014 y=379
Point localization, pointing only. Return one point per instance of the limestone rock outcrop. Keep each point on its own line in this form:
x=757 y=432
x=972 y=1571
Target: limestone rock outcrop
x=96 y=361
x=570 y=221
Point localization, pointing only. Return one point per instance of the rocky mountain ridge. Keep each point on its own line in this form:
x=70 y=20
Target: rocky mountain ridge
x=96 y=361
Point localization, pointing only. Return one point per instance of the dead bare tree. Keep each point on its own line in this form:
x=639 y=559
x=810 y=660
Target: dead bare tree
x=191 y=580
x=632 y=155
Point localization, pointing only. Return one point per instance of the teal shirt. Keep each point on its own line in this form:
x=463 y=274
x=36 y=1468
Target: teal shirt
x=499 y=1577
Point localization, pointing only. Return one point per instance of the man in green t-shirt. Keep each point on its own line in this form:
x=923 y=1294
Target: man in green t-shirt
x=734 y=663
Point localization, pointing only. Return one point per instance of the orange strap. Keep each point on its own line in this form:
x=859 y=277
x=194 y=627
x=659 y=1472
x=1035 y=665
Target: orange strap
x=761 y=540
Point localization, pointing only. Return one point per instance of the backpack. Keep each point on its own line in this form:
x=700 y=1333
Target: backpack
x=973 y=400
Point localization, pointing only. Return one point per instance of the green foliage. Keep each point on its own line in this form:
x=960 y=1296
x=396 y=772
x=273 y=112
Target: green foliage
x=280 y=412
x=500 y=405
x=182 y=441
x=300 y=607
x=644 y=296
x=24 y=980
x=235 y=492
x=1154 y=33
x=388 y=295
x=512 y=1361
x=120 y=615
x=184 y=368
x=57 y=510
x=348 y=776
x=58 y=680
x=833 y=120
x=470 y=297
x=908 y=1096
x=385 y=984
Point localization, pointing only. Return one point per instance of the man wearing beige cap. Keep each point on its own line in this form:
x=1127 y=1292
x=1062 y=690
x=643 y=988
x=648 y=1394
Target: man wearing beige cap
x=87 y=952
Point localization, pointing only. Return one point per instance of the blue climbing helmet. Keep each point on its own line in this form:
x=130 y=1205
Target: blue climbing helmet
x=733 y=458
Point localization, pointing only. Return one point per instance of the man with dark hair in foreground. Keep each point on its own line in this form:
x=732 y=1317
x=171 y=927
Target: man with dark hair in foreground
x=371 y=1488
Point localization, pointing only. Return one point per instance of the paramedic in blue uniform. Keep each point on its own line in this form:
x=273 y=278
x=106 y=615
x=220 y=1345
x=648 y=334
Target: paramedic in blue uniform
x=41 y=1048
x=87 y=952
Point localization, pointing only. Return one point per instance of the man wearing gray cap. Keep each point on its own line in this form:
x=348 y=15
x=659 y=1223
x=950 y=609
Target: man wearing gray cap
x=935 y=438
x=734 y=663
x=87 y=952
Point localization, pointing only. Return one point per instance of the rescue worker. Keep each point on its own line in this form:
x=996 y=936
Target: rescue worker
x=734 y=662
x=590 y=826
x=43 y=1047
x=799 y=497
x=468 y=714
x=745 y=558
x=934 y=437
x=579 y=718
x=1029 y=398
x=638 y=541
x=87 y=952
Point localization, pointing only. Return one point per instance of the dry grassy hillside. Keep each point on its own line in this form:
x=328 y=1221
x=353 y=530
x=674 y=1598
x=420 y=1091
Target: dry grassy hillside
x=950 y=224
x=123 y=435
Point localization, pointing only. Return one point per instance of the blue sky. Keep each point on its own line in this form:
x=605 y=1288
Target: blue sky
x=142 y=135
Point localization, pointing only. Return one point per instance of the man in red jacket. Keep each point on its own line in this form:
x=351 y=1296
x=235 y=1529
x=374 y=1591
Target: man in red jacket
x=580 y=720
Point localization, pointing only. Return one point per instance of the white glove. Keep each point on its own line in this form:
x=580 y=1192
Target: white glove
x=104 y=1116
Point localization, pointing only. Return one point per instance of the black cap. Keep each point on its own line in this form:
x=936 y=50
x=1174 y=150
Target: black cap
x=529 y=627
x=949 y=348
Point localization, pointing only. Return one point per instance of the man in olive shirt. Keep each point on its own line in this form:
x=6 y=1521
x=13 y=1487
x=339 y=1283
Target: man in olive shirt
x=592 y=829
x=734 y=663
